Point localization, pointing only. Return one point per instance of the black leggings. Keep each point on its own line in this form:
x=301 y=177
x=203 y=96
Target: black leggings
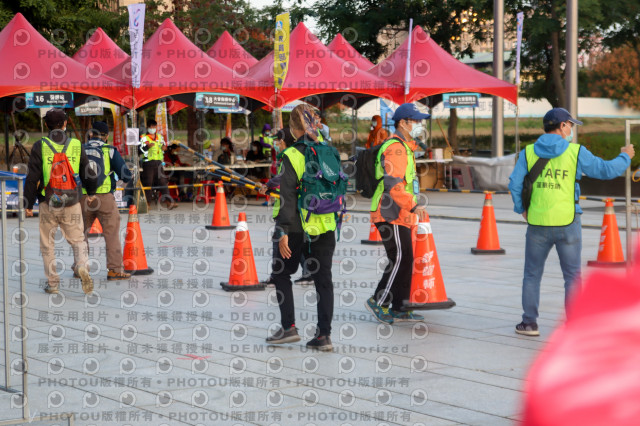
x=395 y=286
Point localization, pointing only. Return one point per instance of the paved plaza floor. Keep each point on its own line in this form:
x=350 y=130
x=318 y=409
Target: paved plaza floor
x=174 y=348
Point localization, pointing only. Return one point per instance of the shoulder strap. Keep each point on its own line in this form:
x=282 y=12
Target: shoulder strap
x=64 y=149
x=537 y=168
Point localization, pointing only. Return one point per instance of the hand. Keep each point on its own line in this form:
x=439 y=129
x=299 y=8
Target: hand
x=524 y=215
x=421 y=211
x=629 y=150
x=262 y=190
x=29 y=212
x=283 y=245
x=91 y=198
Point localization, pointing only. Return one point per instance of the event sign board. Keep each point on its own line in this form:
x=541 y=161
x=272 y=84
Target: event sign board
x=49 y=99
x=460 y=100
x=212 y=100
x=87 y=110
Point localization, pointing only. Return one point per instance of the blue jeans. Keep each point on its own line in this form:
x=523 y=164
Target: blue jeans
x=540 y=239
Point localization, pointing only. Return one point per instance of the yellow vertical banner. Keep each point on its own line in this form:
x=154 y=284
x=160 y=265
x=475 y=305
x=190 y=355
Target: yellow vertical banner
x=119 y=125
x=281 y=50
x=161 y=119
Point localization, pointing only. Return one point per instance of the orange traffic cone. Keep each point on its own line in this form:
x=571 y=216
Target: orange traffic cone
x=610 y=249
x=133 y=256
x=374 y=236
x=427 y=287
x=96 y=229
x=488 y=242
x=243 y=275
x=220 y=212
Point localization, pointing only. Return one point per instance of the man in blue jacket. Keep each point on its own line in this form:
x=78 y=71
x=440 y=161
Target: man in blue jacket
x=554 y=212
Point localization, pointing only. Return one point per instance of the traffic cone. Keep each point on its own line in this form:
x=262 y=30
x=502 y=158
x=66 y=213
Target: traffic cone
x=96 y=229
x=610 y=250
x=133 y=256
x=374 y=236
x=488 y=242
x=220 y=212
x=243 y=275
x=427 y=287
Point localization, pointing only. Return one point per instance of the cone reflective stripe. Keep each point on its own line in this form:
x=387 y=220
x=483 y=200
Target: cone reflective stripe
x=488 y=242
x=220 y=212
x=610 y=249
x=243 y=275
x=96 y=229
x=427 y=286
x=134 y=258
x=374 y=236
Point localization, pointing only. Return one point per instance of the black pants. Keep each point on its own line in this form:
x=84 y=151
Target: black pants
x=319 y=255
x=395 y=286
x=153 y=175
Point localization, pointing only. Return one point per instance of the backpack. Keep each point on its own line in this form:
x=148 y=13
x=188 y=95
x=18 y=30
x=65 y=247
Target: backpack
x=529 y=179
x=95 y=154
x=323 y=184
x=366 y=182
x=64 y=185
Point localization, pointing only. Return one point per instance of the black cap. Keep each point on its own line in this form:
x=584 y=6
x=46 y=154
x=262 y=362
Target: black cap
x=55 y=118
x=100 y=127
x=286 y=136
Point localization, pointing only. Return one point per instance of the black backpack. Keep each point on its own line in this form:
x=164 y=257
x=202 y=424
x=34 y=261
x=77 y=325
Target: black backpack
x=95 y=154
x=366 y=182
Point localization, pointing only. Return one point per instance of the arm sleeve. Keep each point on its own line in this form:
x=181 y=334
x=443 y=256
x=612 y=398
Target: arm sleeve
x=34 y=175
x=274 y=182
x=516 y=182
x=119 y=167
x=89 y=183
x=395 y=166
x=598 y=168
x=288 y=197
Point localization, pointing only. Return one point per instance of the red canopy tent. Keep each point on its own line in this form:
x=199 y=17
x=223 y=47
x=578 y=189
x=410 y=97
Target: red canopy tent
x=174 y=68
x=315 y=70
x=341 y=47
x=100 y=53
x=434 y=71
x=32 y=64
x=230 y=53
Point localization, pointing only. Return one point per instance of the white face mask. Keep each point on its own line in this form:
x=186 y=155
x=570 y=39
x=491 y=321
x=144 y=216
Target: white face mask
x=152 y=131
x=254 y=149
x=417 y=129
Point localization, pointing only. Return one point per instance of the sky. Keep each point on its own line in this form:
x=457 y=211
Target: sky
x=310 y=23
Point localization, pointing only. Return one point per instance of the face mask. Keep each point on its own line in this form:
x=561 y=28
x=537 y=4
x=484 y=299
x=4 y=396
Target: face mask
x=267 y=133
x=417 y=129
x=569 y=137
x=373 y=125
x=151 y=131
x=254 y=149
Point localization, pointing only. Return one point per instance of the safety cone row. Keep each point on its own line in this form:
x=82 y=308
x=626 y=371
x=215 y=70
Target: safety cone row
x=96 y=229
x=374 y=236
x=427 y=286
x=220 y=212
x=243 y=275
x=488 y=241
x=610 y=249
x=133 y=255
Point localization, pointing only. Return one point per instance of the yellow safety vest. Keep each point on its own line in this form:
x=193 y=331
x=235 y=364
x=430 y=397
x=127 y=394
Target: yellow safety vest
x=411 y=183
x=154 y=152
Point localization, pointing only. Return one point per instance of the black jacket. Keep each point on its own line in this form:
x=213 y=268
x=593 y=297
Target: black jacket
x=34 y=183
x=289 y=219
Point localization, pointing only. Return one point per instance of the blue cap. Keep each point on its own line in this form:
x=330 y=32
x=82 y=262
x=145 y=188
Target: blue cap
x=557 y=116
x=408 y=112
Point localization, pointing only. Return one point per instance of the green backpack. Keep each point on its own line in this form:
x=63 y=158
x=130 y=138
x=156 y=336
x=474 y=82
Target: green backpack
x=323 y=184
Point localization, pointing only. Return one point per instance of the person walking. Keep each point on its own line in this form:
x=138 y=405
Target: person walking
x=152 y=147
x=319 y=230
x=56 y=211
x=554 y=213
x=107 y=163
x=394 y=211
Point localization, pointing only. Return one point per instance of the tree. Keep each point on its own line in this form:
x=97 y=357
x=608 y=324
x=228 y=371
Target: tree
x=617 y=76
x=367 y=23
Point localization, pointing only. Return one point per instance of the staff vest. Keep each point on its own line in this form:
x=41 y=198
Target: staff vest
x=73 y=154
x=553 y=193
x=411 y=184
x=155 y=150
x=318 y=223
x=269 y=141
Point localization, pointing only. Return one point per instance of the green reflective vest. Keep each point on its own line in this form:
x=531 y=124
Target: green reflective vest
x=74 y=150
x=154 y=152
x=269 y=141
x=276 y=203
x=553 y=193
x=411 y=183
x=318 y=223
x=105 y=188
